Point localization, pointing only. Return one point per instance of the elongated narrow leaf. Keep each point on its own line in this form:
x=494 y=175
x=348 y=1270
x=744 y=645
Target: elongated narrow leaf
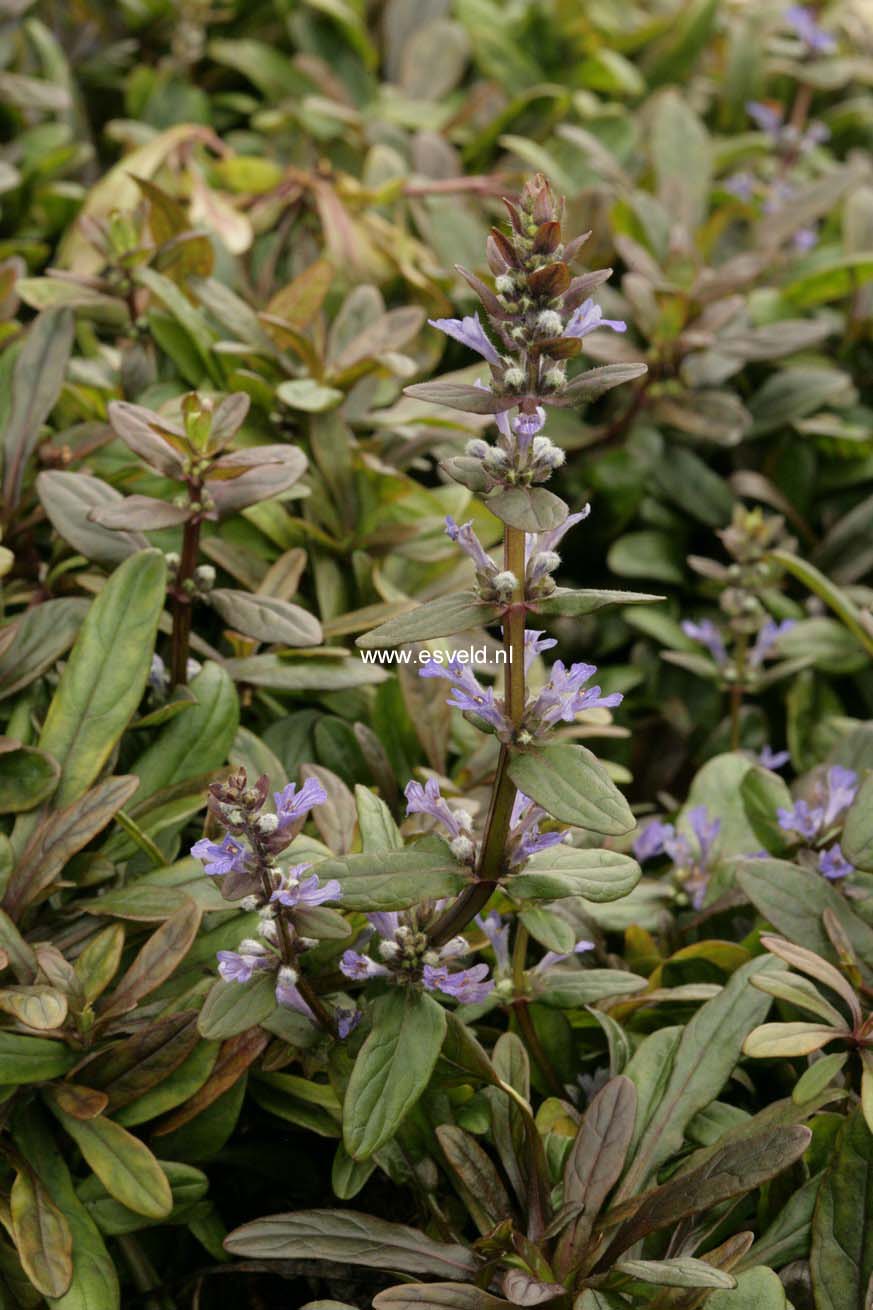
x=41 y=635
x=392 y=1069
x=266 y=619
x=37 y=379
x=439 y=1296
x=348 y=1237
x=442 y=617
x=164 y=950
x=124 y=1164
x=479 y=1180
x=683 y=1271
x=705 y=1057
x=42 y=1236
x=460 y=395
x=595 y=1163
x=26 y=1060
x=94 y=1282
x=573 y=786
x=104 y=677
x=574 y=604
x=841 y=1259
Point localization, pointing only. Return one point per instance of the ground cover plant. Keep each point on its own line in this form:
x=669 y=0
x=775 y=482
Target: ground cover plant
x=436 y=772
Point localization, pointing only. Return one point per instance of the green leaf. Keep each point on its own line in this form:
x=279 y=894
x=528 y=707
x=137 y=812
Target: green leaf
x=788 y=1236
x=396 y=879
x=392 y=1069
x=37 y=378
x=570 y=871
x=707 y=1052
x=349 y=1237
x=95 y=1282
x=772 y=1040
x=818 y=1076
x=41 y=635
x=857 y=838
x=575 y=604
x=756 y=1289
x=573 y=786
x=442 y=617
x=479 y=1182
x=795 y=392
x=438 y=1296
x=105 y=676
x=841 y=1260
x=27 y=777
x=124 y=1164
x=232 y=1008
x=647 y=554
x=794 y=900
x=575 y=987
x=460 y=395
x=26 y=1060
x=681 y=156
x=378 y=830
x=529 y=509
x=833 y=278
x=187 y=1185
x=265 y=618
x=836 y=599
x=309 y=395
x=682 y=1271
x=42 y=1236
x=763 y=793
x=594 y=1164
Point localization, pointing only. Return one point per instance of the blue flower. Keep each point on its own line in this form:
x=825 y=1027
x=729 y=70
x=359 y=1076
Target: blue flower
x=813 y=36
x=767 y=639
x=239 y=966
x=469 y=986
x=470 y=332
x=588 y=318
x=833 y=863
x=468 y=694
x=295 y=894
x=708 y=635
x=565 y=695
x=463 y=535
x=802 y=818
x=496 y=929
x=292 y=805
x=771 y=759
x=288 y=993
x=359 y=967
x=220 y=858
x=428 y=799
x=525 y=838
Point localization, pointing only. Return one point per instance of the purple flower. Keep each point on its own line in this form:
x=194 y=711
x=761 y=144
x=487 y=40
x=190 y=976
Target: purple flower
x=833 y=863
x=551 y=958
x=464 y=536
x=295 y=894
x=540 y=542
x=428 y=800
x=767 y=639
x=238 y=966
x=288 y=994
x=813 y=36
x=706 y=831
x=468 y=694
x=841 y=787
x=222 y=858
x=805 y=239
x=768 y=119
x=564 y=695
x=708 y=635
x=292 y=805
x=526 y=426
x=588 y=318
x=346 y=1021
x=469 y=986
x=359 y=967
x=801 y=818
x=771 y=759
x=742 y=185
x=470 y=332
x=497 y=932
x=525 y=838
x=652 y=840
x=535 y=642
x=385 y=922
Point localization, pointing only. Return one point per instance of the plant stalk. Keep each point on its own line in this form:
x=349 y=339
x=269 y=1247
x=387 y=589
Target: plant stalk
x=182 y=604
x=475 y=897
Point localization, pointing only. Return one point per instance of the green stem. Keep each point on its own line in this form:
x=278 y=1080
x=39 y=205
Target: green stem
x=475 y=897
x=182 y=602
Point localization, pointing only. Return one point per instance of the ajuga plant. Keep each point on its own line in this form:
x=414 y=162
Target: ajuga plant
x=194 y=451
x=747 y=635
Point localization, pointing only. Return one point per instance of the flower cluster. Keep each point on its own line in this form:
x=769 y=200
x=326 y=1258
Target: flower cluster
x=496 y=928
x=407 y=957
x=693 y=862
x=816 y=819
x=764 y=647
x=245 y=860
x=563 y=696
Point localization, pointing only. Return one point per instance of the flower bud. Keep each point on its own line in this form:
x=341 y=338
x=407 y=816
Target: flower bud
x=389 y=950
x=513 y=378
x=462 y=849
x=266 y=824
x=248 y=946
x=550 y=323
x=287 y=976
x=477 y=448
